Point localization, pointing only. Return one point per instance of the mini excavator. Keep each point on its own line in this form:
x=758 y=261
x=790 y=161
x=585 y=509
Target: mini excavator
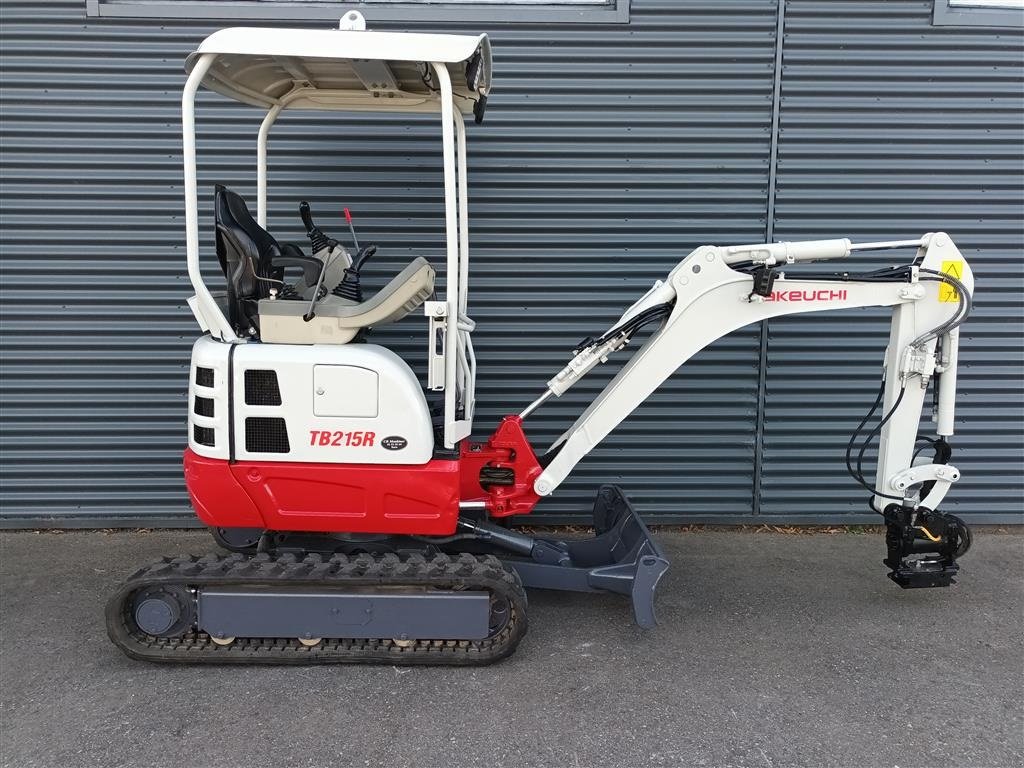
x=362 y=522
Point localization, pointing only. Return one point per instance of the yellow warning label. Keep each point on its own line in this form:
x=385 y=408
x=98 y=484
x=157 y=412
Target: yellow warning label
x=954 y=269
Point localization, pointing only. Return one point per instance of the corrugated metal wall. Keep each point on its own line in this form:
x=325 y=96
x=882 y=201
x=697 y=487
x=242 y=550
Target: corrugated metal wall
x=890 y=127
x=609 y=152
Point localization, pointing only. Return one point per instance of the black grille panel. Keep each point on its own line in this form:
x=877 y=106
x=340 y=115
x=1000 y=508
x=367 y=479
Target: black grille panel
x=203 y=406
x=261 y=388
x=204 y=377
x=266 y=435
x=203 y=435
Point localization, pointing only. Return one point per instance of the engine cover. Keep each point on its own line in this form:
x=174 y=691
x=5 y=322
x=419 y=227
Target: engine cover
x=335 y=404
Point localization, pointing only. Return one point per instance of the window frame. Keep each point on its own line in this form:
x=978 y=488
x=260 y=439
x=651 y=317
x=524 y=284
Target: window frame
x=610 y=12
x=947 y=14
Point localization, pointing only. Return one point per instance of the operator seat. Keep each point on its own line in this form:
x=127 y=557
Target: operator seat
x=252 y=261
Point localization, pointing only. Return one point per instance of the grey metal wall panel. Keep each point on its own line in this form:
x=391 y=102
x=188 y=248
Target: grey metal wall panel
x=890 y=128
x=604 y=159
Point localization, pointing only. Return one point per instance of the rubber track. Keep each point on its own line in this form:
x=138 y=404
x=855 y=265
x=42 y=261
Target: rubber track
x=332 y=572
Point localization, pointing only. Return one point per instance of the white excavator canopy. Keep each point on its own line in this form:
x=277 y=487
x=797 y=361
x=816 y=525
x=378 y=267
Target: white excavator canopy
x=343 y=69
x=354 y=70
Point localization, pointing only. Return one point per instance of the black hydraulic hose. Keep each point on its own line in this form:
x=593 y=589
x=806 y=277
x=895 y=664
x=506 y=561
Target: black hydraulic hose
x=445 y=539
x=876 y=431
x=965 y=302
x=859 y=429
x=629 y=327
x=859 y=477
x=928 y=443
x=964 y=306
x=888 y=274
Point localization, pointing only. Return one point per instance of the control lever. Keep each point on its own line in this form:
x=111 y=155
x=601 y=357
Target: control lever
x=349 y=287
x=351 y=228
x=318 y=240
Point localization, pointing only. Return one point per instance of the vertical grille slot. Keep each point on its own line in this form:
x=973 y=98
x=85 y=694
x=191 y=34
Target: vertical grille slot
x=203 y=435
x=261 y=388
x=266 y=435
x=203 y=406
x=204 y=376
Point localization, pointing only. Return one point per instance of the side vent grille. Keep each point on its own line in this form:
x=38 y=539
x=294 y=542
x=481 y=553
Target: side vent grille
x=203 y=435
x=266 y=435
x=204 y=377
x=261 y=388
x=203 y=406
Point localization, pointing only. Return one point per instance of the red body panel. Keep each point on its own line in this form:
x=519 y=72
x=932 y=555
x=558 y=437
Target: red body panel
x=216 y=496
x=344 y=498
x=364 y=498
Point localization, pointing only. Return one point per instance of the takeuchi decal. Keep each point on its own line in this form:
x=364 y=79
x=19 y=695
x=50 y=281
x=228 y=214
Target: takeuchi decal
x=824 y=294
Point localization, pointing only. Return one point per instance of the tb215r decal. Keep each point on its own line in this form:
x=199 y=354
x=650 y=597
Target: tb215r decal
x=358 y=439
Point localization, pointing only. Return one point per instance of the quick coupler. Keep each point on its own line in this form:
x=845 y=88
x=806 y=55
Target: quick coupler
x=923 y=546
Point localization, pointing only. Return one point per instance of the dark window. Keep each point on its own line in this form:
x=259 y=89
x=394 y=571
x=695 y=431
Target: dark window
x=266 y=435
x=203 y=406
x=203 y=435
x=261 y=388
x=204 y=377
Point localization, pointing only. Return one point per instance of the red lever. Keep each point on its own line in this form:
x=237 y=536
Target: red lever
x=351 y=228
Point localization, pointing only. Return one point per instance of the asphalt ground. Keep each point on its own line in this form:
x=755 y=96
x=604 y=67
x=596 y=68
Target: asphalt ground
x=773 y=650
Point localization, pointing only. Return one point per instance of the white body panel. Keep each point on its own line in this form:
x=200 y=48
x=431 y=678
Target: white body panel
x=340 y=404
x=211 y=356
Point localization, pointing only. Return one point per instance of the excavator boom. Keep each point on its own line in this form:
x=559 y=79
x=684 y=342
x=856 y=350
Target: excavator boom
x=717 y=290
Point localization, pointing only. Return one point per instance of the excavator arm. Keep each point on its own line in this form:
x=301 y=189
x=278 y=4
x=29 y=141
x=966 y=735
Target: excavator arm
x=717 y=290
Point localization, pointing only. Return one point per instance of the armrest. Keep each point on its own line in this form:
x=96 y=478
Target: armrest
x=292 y=256
x=402 y=295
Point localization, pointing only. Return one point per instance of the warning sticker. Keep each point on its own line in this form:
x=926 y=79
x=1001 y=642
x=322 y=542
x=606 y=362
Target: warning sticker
x=954 y=269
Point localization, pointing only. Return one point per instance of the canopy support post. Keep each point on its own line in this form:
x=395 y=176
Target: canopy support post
x=454 y=429
x=261 y=163
x=203 y=305
x=460 y=135
x=468 y=361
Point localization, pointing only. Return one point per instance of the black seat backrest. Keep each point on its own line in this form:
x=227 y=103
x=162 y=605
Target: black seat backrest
x=246 y=252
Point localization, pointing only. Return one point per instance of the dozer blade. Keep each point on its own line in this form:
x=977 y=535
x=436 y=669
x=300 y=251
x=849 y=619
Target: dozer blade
x=621 y=558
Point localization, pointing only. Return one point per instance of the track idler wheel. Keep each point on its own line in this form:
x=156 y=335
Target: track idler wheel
x=164 y=611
